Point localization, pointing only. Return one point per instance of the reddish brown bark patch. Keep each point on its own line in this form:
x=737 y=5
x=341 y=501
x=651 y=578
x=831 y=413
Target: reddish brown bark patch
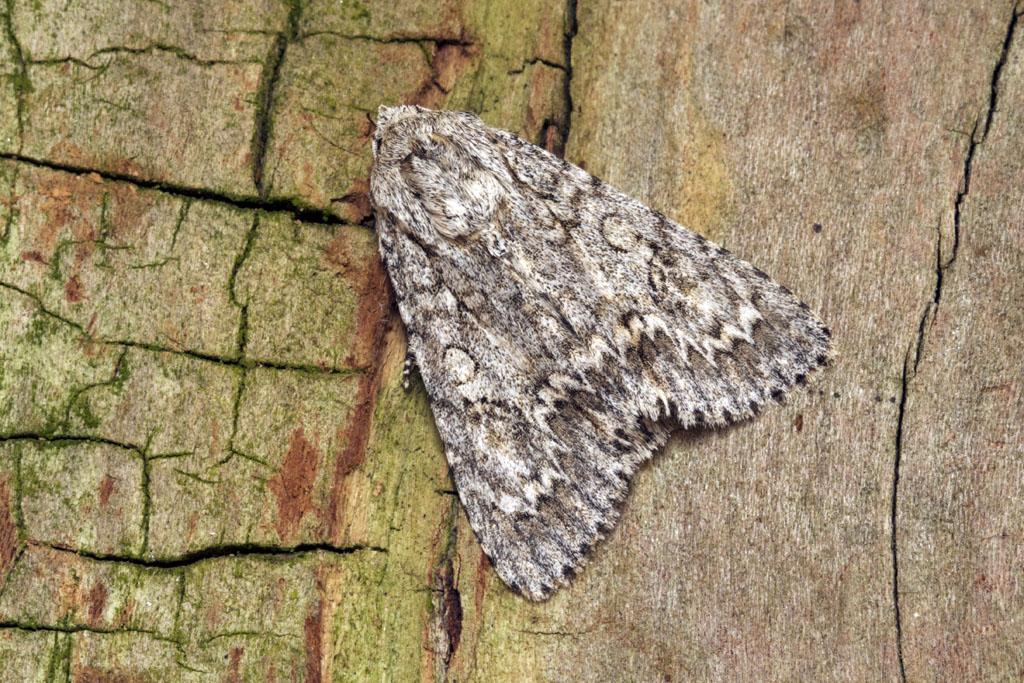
x=448 y=63
x=66 y=201
x=67 y=209
x=8 y=529
x=96 y=601
x=89 y=674
x=451 y=60
x=293 y=484
x=372 y=320
x=428 y=95
x=338 y=257
x=539 y=117
x=106 y=488
x=373 y=310
x=314 y=644
x=234 y=664
x=73 y=290
x=34 y=256
x=553 y=139
x=130 y=167
x=353 y=452
x=357 y=206
x=372 y=316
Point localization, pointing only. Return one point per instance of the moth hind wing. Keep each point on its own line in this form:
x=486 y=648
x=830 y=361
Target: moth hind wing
x=536 y=551
x=707 y=338
x=760 y=342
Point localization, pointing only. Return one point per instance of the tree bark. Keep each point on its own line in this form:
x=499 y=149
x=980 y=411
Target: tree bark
x=209 y=469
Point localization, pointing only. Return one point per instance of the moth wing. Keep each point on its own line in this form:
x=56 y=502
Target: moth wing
x=705 y=338
x=561 y=342
x=540 y=477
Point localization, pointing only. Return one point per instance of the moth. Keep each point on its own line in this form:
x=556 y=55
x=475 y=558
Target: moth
x=562 y=331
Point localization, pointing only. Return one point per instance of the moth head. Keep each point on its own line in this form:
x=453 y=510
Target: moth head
x=431 y=175
x=386 y=116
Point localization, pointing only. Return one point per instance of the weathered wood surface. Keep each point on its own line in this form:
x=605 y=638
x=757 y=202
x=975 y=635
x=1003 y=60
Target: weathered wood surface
x=209 y=471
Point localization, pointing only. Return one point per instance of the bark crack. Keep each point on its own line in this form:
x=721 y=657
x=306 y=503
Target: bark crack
x=976 y=139
x=61 y=61
x=79 y=392
x=301 y=212
x=893 y=512
x=179 y=604
x=60 y=659
x=571 y=28
x=63 y=628
x=39 y=304
x=396 y=40
x=242 y=337
x=216 y=552
x=236 y=411
x=230 y=361
x=174 y=50
x=446 y=599
x=942 y=263
x=147 y=500
x=534 y=62
x=264 y=119
x=169 y=49
x=66 y=438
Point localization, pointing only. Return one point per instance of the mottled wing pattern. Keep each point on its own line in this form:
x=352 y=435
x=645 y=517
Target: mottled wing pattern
x=561 y=330
x=707 y=337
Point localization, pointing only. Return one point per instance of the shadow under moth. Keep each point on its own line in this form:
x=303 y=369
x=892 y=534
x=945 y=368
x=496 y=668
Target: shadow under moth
x=562 y=331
